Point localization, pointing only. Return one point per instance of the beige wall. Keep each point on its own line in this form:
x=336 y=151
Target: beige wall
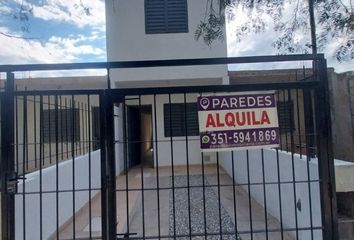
x=33 y=119
x=341 y=87
x=342 y=109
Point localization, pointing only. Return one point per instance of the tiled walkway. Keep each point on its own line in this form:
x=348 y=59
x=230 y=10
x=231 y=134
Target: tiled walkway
x=151 y=197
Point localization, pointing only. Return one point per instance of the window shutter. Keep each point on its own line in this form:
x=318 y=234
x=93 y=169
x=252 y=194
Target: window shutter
x=166 y=16
x=177 y=123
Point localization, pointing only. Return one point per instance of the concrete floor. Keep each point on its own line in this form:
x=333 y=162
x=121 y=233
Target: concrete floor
x=135 y=197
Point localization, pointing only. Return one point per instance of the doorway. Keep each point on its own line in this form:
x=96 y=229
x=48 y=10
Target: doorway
x=140 y=139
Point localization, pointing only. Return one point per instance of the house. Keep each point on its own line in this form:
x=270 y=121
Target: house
x=151 y=134
x=152 y=37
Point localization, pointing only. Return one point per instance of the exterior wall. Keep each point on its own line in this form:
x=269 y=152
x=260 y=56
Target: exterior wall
x=61 y=83
x=27 y=159
x=33 y=118
x=32 y=201
x=341 y=90
x=127 y=41
x=163 y=151
x=342 y=109
x=272 y=194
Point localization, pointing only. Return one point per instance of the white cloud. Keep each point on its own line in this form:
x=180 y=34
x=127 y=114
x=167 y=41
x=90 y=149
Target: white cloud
x=4 y=9
x=70 y=11
x=55 y=50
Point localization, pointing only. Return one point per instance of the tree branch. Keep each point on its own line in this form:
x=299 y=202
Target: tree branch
x=17 y=37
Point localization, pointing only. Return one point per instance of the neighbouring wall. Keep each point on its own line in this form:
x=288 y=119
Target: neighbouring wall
x=271 y=191
x=31 y=202
x=342 y=113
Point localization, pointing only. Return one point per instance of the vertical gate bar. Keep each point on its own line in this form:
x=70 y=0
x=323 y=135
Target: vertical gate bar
x=111 y=164
x=204 y=204
x=126 y=164
x=309 y=190
x=264 y=195
x=7 y=159
x=286 y=102
x=156 y=150
x=290 y=112
x=325 y=156
x=309 y=125
x=82 y=136
x=173 y=171
x=84 y=115
x=280 y=197
x=280 y=127
x=61 y=127
x=66 y=127
x=41 y=156
x=27 y=143
x=35 y=131
x=234 y=193
x=89 y=167
x=187 y=160
x=103 y=130
x=142 y=177
x=109 y=210
x=219 y=193
x=73 y=151
x=76 y=143
x=298 y=121
x=249 y=192
x=24 y=159
x=56 y=158
x=49 y=132
x=56 y=133
x=17 y=135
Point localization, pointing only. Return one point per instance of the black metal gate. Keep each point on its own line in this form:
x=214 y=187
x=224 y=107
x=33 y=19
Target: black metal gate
x=126 y=164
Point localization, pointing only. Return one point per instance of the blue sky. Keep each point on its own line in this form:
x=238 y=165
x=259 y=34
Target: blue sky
x=61 y=32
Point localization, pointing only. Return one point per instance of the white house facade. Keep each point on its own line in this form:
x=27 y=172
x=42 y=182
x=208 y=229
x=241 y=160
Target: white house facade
x=161 y=30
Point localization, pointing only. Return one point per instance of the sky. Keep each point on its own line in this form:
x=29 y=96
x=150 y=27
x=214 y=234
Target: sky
x=58 y=31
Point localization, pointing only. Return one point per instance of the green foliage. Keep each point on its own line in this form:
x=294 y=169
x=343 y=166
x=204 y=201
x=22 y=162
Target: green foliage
x=335 y=23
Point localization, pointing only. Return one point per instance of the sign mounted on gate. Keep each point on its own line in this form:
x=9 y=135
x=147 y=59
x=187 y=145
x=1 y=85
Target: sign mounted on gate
x=236 y=121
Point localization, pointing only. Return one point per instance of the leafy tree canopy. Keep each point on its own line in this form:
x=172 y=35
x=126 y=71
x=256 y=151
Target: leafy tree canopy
x=289 y=19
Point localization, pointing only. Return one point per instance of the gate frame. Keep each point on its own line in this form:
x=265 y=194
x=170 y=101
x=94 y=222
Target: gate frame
x=108 y=97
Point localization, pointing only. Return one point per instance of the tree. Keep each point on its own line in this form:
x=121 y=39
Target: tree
x=335 y=23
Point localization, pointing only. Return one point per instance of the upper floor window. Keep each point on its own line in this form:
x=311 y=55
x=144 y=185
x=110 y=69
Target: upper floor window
x=166 y=16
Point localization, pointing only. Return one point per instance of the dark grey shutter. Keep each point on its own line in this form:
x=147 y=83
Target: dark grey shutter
x=166 y=16
x=65 y=125
x=177 y=121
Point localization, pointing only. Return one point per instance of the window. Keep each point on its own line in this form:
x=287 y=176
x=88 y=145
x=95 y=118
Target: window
x=166 y=16
x=177 y=121
x=285 y=112
x=67 y=118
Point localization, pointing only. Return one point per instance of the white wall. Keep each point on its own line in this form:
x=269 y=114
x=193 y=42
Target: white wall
x=32 y=201
x=127 y=41
x=272 y=193
x=164 y=150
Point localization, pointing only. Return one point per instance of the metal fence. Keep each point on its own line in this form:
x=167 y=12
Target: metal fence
x=126 y=163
